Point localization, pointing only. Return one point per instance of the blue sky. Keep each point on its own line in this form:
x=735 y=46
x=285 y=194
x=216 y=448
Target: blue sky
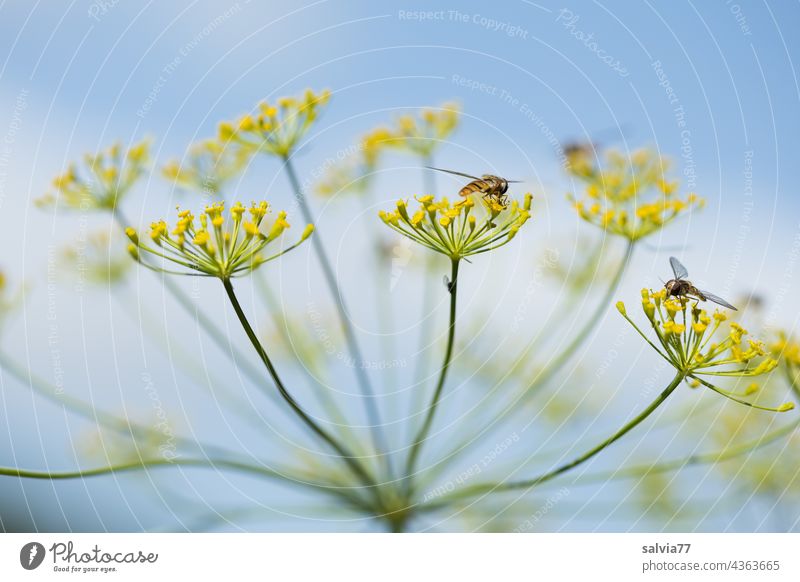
x=711 y=84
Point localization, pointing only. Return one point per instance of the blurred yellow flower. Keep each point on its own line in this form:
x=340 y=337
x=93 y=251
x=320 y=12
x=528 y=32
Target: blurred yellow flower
x=423 y=134
x=103 y=179
x=459 y=230
x=214 y=245
x=97 y=259
x=419 y=135
x=631 y=197
x=208 y=166
x=276 y=128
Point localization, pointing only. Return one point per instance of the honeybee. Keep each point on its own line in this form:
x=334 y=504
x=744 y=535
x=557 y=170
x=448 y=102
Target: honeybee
x=681 y=287
x=488 y=185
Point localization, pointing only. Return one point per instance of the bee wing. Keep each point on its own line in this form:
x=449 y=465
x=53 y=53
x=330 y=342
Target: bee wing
x=717 y=300
x=678 y=269
x=453 y=172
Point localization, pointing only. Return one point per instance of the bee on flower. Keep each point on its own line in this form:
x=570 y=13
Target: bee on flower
x=209 y=165
x=460 y=229
x=215 y=244
x=275 y=128
x=631 y=197
x=102 y=180
x=701 y=349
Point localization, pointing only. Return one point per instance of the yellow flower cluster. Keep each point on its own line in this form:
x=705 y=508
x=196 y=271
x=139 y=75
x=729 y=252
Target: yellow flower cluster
x=104 y=179
x=208 y=166
x=276 y=128
x=688 y=339
x=416 y=135
x=459 y=230
x=215 y=245
x=630 y=196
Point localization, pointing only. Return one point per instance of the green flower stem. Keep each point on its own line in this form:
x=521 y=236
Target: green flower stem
x=568 y=352
x=354 y=465
x=531 y=483
x=422 y=435
x=725 y=454
x=368 y=396
x=199 y=463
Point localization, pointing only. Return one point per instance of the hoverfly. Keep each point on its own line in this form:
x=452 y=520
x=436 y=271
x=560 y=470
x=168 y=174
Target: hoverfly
x=681 y=287
x=489 y=186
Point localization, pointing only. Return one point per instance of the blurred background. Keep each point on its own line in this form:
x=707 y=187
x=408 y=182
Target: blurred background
x=711 y=85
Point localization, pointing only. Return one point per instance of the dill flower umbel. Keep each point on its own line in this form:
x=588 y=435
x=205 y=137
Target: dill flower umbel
x=631 y=197
x=697 y=347
x=213 y=244
x=103 y=179
x=208 y=166
x=460 y=229
x=276 y=128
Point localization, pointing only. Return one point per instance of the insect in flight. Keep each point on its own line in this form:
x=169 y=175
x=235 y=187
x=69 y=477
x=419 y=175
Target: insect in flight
x=489 y=186
x=681 y=287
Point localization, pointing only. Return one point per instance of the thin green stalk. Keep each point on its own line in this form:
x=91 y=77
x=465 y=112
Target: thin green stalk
x=422 y=435
x=725 y=454
x=351 y=461
x=158 y=463
x=368 y=396
x=531 y=483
